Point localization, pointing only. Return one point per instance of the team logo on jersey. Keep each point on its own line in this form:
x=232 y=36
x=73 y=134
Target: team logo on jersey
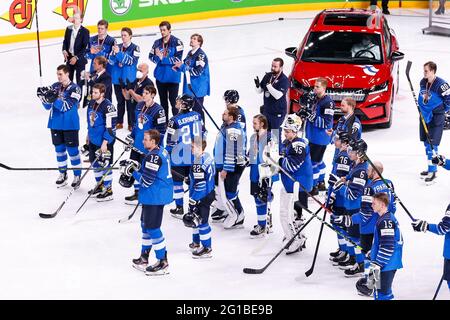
x=426 y=96
x=92 y=117
x=120 y=7
x=69 y=7
x=20 y=14
x=369 y=70
x=142 y=120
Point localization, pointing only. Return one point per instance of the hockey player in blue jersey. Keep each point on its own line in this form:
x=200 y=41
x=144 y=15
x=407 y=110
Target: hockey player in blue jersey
x=261 y=184
x=165 y=52
x=201 y=195
x=182 y=129
x=442 y=228
x=197 y=66
x=295 y=159
x=319 y=122
x=351 y=188
x=229 y=156
x=149 y=115
x=101 y=124
x=62 y=99
x=386 y=251
x=155 y=192
x=434 y=101
x=440 y=160
x=100 y=44
x=341 y=167
x=124 y=60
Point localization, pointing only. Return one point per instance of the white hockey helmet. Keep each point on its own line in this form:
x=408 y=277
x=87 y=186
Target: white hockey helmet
x=292 y=122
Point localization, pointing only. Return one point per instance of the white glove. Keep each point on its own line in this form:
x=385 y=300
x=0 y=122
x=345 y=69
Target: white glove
x=271 y=151
x=266 y=171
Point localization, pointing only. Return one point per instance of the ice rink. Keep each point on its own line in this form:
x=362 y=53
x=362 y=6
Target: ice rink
x=88 y=255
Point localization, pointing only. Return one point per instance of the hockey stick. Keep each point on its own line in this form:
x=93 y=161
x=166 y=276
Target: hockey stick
x=311 y=269
x=424 y=125
x=4 y=166
x=52 y=215
x=131 y=215
x=438 y=288
x=100 y=182
x=389 y=187
x=38 y=44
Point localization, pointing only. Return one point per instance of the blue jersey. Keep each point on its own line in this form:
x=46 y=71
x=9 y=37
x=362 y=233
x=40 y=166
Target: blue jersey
x=198 y=67
x=64 y=111
x=273 y=106
x=350 y=124
x=147 y=118
x=436 y=97
x=172 y=52
x=229 y=149
x=447 y=164
x=387 y=244
x=443 y=228
x=101 y=119
x=105 y=47
x=201 y=177
x=155 y=179
x=124 y=63
x=367 y=218
x=316 y=130
x=353 y=190
x=182 y=129
x=341 y=168
x=255 y=154
x=297 y=162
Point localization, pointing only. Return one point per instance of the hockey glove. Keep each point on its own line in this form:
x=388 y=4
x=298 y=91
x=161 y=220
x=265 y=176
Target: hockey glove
x=51 y=95
x=130 y=140
x=332 y=179
x=338 y=185
x=303 y=113
x=187 y=180
x=420 y=225
x=131 y=166
x=41 y=92
x=345 y=221
x=438 y=160
x=193 y=206
x=85 y=150
x=263 y=190
x=331 y=200
x=103 y=158
x=257 y=82
x=373 y=281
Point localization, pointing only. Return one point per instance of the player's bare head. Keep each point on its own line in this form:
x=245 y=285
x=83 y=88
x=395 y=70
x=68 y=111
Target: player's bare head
x=102 y=27
x=429 y=69
x=149 y=93
x=277 y=65
x=126 y=34
x=98 y=91
x=380 y=202
x=320 y=86
x=165 y=28
x=62 y=72
x=100 y=63
x=198 y=145
x=196 y=40
x=348 y=105
x=372 y=172
x=260 y=122
x=151 y=138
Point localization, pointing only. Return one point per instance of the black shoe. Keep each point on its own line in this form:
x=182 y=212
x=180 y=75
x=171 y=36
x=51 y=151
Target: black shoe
x=202 y=253
x=356 y=271
x=363 y=290
x=141 y=263
x=314 y=191
x=218 y=216
x=321 y=186
x=62 y=180
x=96 y=190
x=431 y=178
x=440 y=10
x=423 y=174
x=386 y=11
x=105 y=195
x=258 y=231
x=193 y=246
x=133 y=199
x=177 y=212
x=340 y=259
x=344 y=265
x=336 y=253
x=161 y=267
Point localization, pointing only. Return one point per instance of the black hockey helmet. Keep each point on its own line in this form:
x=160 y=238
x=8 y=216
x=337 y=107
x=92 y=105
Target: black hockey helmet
x=191 y=220
x=126 y=181
x=359 y=146
x=187 y=101
x=344 y=136
x=231 y=96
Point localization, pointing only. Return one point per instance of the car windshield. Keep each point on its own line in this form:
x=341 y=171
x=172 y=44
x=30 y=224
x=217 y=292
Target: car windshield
x=343 y=47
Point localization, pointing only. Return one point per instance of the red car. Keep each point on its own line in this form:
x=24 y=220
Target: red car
x=358 y=53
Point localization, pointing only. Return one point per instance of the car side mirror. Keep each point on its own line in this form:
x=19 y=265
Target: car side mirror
x=397 y=56
x=291 y=52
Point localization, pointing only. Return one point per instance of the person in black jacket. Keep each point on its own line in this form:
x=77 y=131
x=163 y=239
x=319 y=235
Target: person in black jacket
x=76 y=40
x=100 y=75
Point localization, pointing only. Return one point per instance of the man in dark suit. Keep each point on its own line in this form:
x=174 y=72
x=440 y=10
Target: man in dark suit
x=76 y=40
x=100 y=75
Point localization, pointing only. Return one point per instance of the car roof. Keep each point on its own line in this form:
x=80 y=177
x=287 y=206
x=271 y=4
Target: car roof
x=353 y=20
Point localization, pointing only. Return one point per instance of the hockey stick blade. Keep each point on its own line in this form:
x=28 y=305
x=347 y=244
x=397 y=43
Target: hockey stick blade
x=253 y=271
x=408 y=68
x=47 y=215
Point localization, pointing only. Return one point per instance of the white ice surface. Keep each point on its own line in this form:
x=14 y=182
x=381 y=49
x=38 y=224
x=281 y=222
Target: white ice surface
x=88 y=256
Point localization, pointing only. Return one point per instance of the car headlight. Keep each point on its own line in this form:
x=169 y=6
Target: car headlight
x=379 y=88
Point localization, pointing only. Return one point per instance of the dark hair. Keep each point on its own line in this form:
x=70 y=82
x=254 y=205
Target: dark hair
x=63 y=67
x=103 y=22
x=280 y=61
x=165 y=24
x=199 y=38
x=196 y=141
x=154 y=135
x=383 y=197
x=127 y=30
x=150 y=89
x=101 y=60
x=431 y=65
x=100 y=86
x=322 y=81
x=233 y=112
x=262 y=118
